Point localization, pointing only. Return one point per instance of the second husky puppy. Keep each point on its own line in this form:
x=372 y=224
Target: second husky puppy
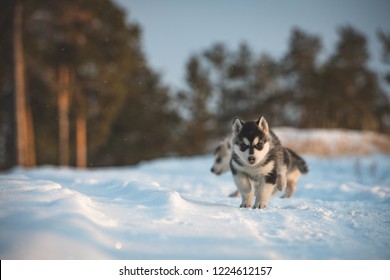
x=259 y=163
x=222 y=155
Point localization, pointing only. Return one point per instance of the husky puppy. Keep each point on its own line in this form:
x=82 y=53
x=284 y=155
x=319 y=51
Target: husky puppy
x=259 y=163
x=223 y=154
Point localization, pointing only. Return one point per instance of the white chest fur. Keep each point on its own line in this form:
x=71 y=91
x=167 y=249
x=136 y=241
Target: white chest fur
x=255 y=172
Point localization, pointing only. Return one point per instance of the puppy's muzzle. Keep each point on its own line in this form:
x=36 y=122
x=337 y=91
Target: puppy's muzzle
x=215 y=171
x=251 y=159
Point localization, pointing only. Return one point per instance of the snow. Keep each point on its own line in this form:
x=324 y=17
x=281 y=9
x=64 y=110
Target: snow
x=334 y=142
x=175 y=208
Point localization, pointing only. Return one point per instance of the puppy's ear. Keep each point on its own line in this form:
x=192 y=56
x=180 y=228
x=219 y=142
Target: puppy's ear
x=263 y=125
x=237 y=125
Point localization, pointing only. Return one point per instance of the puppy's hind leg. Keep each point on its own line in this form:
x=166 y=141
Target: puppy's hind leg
x=235 y=194
x=290 y=189
x=292 y=178
x=281 y=181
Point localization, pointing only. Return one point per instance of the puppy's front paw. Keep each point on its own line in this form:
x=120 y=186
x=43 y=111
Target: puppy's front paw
x=261 y=205
x=245 y=205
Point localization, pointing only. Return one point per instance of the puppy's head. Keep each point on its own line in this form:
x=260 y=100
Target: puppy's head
x=251 y=140
x=222 y=156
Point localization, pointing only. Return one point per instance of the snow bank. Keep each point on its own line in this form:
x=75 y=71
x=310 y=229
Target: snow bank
x=333 y=142
x=175 y=208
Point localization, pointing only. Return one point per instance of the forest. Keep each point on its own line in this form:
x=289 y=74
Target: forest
x=76 y=88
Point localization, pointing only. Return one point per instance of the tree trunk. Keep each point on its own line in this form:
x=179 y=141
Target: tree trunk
x=81 y=140
x=20 y=88
x=63 y=114
x=31 y=156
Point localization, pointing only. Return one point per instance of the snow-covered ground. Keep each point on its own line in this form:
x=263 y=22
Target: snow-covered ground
x=175 y=208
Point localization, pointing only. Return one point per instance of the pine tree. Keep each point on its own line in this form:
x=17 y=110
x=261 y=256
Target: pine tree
x=349 y=85
x=24 y=123
x=383 y=110
x=84 y=52
x=301 y=73
x=198 y=101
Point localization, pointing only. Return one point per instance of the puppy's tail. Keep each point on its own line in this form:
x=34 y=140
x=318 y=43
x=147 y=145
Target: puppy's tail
x=299 y=162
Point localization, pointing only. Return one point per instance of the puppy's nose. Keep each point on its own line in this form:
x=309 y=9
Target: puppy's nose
x=212 y=169
x=251 y=159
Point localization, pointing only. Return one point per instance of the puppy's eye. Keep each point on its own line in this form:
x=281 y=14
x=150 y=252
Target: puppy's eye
x=243 y=147
x=259 y=146
x=218 y=160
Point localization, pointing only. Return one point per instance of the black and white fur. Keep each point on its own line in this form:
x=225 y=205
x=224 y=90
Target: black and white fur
x=223 y=155
x=259 y=163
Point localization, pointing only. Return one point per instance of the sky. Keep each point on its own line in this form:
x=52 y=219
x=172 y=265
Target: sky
x=175 y=29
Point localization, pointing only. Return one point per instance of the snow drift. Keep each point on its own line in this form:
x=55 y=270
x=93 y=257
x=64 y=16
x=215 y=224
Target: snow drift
x=334 y=142
x=174 y=208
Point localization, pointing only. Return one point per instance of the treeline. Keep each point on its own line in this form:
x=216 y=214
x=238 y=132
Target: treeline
x=76 y=88
x=298 y=89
